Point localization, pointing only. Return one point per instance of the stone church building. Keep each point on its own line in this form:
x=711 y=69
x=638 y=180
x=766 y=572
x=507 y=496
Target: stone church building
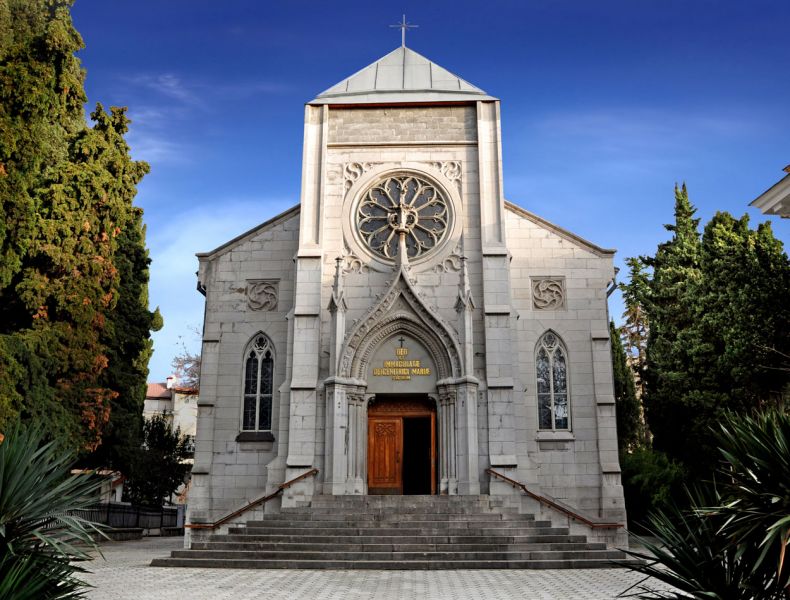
x=404 y=328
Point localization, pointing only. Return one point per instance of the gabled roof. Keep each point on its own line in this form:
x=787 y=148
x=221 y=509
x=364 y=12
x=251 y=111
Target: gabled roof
x=403 y=75
x=283 y=216
x=560 y=231
x=776 y=199
x=157 y=390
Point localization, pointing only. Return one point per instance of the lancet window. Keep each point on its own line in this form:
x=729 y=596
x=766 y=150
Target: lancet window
x=258 y=385
x=552 y=372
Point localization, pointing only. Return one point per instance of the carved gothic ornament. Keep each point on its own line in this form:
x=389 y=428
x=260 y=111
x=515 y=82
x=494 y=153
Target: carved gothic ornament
x=420 y=321
x=351 y=263
x=412 y=197
x=452 y=262
x=385 y=429
x=401 y=406
x=262 y=294
x=353 y=171
x=548 y=293
x=450 y=169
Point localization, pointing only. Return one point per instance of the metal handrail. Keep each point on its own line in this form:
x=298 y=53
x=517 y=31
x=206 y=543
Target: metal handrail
x=254 y=503
x=552 y=504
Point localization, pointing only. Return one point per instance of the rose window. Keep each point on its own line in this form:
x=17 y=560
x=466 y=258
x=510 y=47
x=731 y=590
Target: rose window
x=402 y=204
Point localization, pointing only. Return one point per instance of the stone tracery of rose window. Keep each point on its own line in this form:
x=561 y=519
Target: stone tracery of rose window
x=402 y=203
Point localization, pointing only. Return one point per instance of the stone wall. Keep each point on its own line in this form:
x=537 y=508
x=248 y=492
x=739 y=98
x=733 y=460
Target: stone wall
x=441 y=123
x=568 y=462
x=361 y=143
x=249 y=290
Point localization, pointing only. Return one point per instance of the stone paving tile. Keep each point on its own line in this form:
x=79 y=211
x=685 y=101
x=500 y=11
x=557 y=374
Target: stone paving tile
x=124 y=574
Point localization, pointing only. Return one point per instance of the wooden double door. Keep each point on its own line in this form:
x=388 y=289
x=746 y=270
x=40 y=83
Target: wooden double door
x=401 y=446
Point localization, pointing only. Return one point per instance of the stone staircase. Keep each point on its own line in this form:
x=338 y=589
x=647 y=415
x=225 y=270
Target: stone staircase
x=397 y=532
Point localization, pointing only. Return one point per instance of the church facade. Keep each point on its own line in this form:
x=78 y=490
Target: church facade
x=404 y=328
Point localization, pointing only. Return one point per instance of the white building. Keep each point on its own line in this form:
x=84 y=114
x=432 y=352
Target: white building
x=776 y=199
x=404 y=327
x=177 y=404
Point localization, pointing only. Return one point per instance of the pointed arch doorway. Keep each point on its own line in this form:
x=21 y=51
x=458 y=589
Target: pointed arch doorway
x=402 y=453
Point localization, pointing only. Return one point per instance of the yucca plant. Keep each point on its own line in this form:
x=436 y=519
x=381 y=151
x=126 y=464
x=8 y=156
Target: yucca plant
x=40 y=535
x=756 y=484
x=692 y=556
x=731 y=544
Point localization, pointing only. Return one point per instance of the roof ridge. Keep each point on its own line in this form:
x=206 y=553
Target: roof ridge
x=401 y=75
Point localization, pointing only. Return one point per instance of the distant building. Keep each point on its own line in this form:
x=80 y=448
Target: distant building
x=177 y=404
x=776 y=199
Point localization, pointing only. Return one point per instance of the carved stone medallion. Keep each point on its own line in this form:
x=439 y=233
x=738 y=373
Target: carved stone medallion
x=548 y=293
x=262 y=295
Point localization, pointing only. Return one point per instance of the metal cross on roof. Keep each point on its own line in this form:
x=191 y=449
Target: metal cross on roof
x=403 y=26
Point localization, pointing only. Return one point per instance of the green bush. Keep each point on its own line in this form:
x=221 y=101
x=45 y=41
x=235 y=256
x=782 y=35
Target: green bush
x=731 y=543
x=40 y=536
x=651 y=481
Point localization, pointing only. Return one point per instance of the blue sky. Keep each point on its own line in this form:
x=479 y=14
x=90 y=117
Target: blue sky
x=605 y=105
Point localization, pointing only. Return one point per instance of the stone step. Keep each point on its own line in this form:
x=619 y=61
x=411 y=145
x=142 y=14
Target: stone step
x=411 y=510
x=398 y=556
x=433 y=529
x=390 y=518
x=397 y=532
x=395 y=524
x=398 y=546
x=400 y=502
x=405 y=539
x=390 y=565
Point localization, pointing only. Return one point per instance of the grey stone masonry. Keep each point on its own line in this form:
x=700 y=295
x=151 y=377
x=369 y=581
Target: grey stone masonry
x=475 y=285
x=360 y=125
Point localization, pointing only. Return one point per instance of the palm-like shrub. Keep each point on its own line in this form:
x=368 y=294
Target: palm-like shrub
x=40 y=536
x=731 y=544
x=757 y=482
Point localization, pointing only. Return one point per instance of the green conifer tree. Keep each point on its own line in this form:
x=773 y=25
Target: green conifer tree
x=629 y=426
x=67 y=190
x=673 y=415
x=719 y=316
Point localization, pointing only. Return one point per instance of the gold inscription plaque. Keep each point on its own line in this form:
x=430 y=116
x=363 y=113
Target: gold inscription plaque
x=401 y=369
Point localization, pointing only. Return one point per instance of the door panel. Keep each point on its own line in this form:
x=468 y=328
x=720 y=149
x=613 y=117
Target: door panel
x=385 y=449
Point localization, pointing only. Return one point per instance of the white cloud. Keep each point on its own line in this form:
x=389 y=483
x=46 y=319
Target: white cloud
x=155 y=148
x=173 y=245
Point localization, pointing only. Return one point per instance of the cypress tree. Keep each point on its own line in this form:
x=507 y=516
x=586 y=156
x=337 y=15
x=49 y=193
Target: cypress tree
x=629 y=426
x=719 y=334
x=66 y=190
x=673 y=415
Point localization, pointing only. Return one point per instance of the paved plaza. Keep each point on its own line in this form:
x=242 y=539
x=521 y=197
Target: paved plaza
x=124 y=574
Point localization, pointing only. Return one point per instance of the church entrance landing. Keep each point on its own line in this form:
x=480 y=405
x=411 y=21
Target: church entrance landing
x=401 y=445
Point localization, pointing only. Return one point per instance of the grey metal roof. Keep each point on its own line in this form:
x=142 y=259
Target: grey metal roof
x=403 y=75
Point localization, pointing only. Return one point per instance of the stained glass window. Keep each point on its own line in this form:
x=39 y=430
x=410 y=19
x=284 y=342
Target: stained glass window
x=551 y=367
x=402 y=203
x=258 y=386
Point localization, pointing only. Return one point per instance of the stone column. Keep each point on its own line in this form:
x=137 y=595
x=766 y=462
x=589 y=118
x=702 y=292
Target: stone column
x=612 y=499
x=336 y=439
x=467 y=449
x=444 y=449
x=307 y=310
x=357 y=445
x=496 y=297
x=200 y=508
